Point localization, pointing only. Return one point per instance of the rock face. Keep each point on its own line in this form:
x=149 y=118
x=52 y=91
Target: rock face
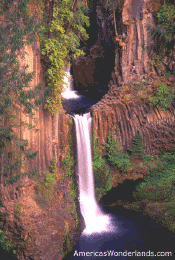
x=40 y=223
x=100 y=54
x=125 y=51
x=38 y=227
x=136 y=17
x=51 y=138
x=132 y=63
x=43 y=227
x=156 y=127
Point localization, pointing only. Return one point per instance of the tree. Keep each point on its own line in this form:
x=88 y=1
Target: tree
x=17 y=29
x=136 y=148
x=114 y=5
x=66 y=29
x=163 y=36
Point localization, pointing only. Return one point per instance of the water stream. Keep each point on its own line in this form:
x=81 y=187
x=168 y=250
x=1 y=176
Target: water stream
x=117 y=232
x=73 y=101
x=69 y=92
x=95 y=220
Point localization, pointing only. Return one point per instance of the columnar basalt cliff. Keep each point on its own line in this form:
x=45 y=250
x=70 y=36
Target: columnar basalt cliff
x=51 y=138
x=156 y=127
x=132 y=66
x=39 y=221
x=42 y=223
x=124 y=55
x=136 y=16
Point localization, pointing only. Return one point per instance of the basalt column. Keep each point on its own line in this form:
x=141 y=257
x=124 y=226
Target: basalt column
x=134 y=40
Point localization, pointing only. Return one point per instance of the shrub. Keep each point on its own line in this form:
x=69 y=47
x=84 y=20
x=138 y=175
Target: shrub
x=45 y=186
x=103 y=181
x=136 y=148
x=11 y=242
x=50 y=179
x=159 y=185
x=163 y=36
x=102 y=173
x=69 y=163
x=5 y=243
x=163 y=97
x=31 y=173
x=114 y=157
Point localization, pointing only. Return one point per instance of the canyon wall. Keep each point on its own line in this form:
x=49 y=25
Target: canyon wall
x=156 y=127
x=136 y=17
x=40 y=221
x=132 y=66
x=50 y=137
x=121 y=53
x=45 y=228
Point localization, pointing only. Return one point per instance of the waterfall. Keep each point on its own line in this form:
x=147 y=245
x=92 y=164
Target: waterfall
x=68 y=91
x=95 y=220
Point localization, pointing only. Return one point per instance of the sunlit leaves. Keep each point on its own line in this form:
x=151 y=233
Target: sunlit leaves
x=166 y=19
x=61 y=45
x=163 y=97
x=17 y=29
x=164 y=34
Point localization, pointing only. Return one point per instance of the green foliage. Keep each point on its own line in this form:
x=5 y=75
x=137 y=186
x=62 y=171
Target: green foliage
x=29 y=155
x=163 y=35
x=114 y=157
x=11 y=242
x=113 y=148
x=163 y=97
x=15 y=88
x=18 y=208
x=150 y=161
x=5 y=136
x=103 y=181
x=102 y=173
x=31 y=173
x=168 y=74
x=50 y=179
x=10 y=166
x=53 y=167
x=17 y=29
x=65 y=31
x=13 y=179
x=114 y=4
x=51 y=176
x=166 y=19
x=67 y=243
x=136 y=148
x=69 y=163
x=158 y=190
x=159 y=184
x=46 y=186
x=5 y=243
x=98 y=160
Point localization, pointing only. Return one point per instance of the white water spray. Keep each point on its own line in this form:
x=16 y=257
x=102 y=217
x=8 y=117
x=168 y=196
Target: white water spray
x=68 y=91
x=95 y=220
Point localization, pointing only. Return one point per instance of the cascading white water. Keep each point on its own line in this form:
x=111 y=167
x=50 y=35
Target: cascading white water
x=68 y=92
x=95 y=220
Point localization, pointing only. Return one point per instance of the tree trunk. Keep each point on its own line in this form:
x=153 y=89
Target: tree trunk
x=74 y=8
x=115 y=26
